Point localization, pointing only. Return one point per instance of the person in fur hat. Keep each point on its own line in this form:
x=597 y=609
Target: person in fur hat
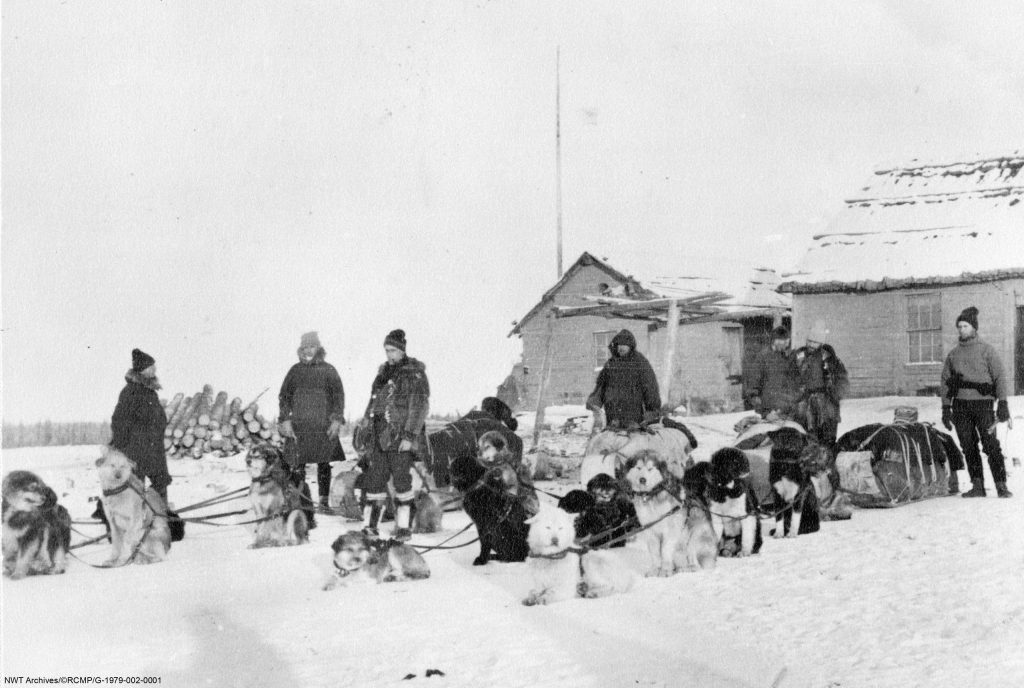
x=772 y=384
x=138 y=423
x=972 y=380
x=626 y=387
x=396 y=416
x=311 y=407
x=823 y=384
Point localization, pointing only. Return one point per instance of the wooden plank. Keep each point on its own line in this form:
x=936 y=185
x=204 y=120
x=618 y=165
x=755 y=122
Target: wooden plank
x=670 y=350
x=544 y=375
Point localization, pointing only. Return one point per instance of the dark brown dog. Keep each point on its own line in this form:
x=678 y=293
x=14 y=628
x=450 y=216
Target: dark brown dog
x=37 y=530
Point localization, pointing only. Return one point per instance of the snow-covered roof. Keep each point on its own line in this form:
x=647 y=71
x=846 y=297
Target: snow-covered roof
x=753 y=289
x=918 y=226
x=736 y=293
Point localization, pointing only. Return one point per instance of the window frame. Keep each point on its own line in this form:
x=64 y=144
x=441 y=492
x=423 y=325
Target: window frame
x=917 y=329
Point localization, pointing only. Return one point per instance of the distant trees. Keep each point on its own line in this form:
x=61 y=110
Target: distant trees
x=49 y=434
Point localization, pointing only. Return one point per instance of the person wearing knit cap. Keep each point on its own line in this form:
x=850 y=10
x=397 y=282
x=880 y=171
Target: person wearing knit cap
x=972 y=380
x=138 y=422
x=396 y=415
x=772 y=382
x=311 y=411
x=823 y=384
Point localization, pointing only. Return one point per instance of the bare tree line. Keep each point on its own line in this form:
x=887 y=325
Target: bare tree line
x=47 y=433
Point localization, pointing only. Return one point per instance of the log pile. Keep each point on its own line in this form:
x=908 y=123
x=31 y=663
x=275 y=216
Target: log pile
x=208 y=424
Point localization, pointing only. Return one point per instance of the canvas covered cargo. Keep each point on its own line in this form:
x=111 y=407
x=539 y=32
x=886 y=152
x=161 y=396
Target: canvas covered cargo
x=609 y=449
x=888 y=465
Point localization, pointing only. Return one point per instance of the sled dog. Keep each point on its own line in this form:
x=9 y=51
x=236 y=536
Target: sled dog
x=36 y=529
x=138 y=517
x=734 y=513
x=276 y=502
x=359 y=558
x=655 y=496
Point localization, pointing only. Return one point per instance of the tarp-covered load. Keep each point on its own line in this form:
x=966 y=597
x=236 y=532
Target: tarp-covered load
x=889 y=465
x=608 y=450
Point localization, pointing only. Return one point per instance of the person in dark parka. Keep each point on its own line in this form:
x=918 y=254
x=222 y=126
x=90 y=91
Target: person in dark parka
x=626 y=387
x=772 y=385
x=396 y=415
x=311 y=408
x=138 y=423
x=824 y=383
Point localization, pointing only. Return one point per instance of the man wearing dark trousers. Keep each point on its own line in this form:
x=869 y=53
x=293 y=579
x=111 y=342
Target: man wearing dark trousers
x=972 y=380
x=396 y=416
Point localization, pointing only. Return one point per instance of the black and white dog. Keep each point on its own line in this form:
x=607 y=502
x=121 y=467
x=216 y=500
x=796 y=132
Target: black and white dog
x=795 y=501
x=733 y=505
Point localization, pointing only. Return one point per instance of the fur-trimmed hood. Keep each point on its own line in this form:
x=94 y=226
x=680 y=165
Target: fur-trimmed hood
x=152 y=383
x=318 y=357
x=623 y=337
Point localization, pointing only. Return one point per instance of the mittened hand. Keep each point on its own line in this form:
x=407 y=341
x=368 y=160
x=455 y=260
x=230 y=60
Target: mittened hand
x=1002 y=411
x=334 y=428
x=286 y=430
x=947 y=417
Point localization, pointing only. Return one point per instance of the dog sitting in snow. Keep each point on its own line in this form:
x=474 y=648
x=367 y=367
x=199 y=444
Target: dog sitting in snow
x=700 y=542
x=36 y=529
x=733 y=505
x=656 y=500
x=426 y=514
x=276 y=502
x=359 y=558
x=494 y=508
x=137 y=516
x=794 y=498
x=561 y=571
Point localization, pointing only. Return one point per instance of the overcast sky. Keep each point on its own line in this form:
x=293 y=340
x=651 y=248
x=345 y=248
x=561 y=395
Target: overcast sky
x=206 y=181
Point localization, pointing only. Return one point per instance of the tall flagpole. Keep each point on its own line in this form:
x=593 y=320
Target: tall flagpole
x=558 y=155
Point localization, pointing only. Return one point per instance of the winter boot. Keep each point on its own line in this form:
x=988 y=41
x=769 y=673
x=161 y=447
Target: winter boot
x=403 y=515
x=977 y=491
x=371 y=517
x=325 y=504
x=954 y=483
x=1002 y=491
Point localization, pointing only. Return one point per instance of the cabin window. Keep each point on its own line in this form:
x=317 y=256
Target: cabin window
x=924 y=328
x=602 y=340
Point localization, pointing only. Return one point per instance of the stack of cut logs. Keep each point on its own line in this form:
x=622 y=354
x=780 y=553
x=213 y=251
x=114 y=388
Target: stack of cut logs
x=205 y=424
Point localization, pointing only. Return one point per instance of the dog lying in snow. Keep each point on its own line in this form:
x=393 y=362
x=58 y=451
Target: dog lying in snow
x=560 y=571
x=138 y=518
x=656 y=493
x=734 y=508
x=36 y=529
x=275 y=501
x=794 y=497
x=359 y=558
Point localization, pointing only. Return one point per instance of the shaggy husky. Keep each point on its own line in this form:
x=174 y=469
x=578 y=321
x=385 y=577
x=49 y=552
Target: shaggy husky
x=655 y=495
x=733 y=504
x=138 y=518
x=276 y=502
x=358 y=558
x=701 y=543
x=560 y=571
x=37 y=530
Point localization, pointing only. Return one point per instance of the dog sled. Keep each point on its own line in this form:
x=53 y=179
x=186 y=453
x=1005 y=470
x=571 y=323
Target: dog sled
x=886 y=465
x=754 y=438
x=608 y=450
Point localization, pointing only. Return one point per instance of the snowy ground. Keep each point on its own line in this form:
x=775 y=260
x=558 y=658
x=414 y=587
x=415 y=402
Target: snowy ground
x=929 y=594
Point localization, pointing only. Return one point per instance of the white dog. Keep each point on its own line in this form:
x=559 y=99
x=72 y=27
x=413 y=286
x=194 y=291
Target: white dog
x=555 y=562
